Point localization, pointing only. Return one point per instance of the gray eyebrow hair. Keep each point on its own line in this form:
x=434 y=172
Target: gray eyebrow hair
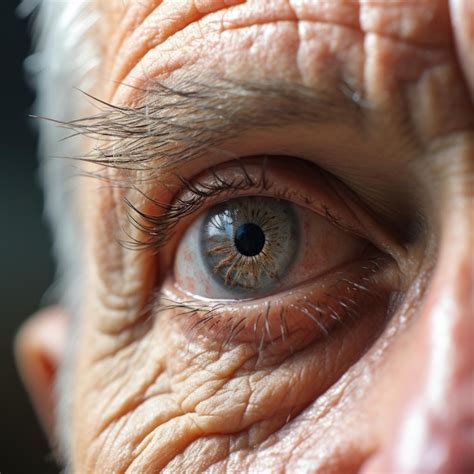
x=168 y=125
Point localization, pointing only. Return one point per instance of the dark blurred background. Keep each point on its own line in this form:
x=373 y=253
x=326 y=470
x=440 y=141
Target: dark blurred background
x=26 y=264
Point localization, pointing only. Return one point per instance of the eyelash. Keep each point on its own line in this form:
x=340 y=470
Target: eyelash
x=209 y=320
x=156 y=230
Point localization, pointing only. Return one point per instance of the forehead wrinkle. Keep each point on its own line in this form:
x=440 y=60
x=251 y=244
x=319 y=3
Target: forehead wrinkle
x=144 y=25
x=180 y=51
x=422 y=22
x=155 y=26
x=149 y=24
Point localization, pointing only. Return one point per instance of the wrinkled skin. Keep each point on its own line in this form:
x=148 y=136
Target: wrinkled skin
x=397 y=399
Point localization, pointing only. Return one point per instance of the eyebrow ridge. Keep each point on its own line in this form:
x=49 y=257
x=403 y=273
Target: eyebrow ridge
x=168 y=125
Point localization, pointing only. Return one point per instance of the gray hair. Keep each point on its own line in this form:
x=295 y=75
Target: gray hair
x=65 y=58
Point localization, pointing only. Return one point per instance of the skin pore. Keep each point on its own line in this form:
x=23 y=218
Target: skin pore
x=381 y=382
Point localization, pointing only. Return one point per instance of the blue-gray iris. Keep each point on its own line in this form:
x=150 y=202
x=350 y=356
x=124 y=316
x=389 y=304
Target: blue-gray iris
x=249 y=243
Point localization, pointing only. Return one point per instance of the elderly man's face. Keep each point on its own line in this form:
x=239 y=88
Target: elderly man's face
x=278 y=270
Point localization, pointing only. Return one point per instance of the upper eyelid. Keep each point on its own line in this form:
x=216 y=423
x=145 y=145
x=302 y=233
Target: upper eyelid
x=155 y=223
x=158 y=227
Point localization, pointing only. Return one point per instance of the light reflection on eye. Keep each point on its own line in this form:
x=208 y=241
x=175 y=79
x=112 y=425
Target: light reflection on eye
x=248 y=243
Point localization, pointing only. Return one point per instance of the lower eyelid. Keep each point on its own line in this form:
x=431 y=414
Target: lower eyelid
x=290 y=321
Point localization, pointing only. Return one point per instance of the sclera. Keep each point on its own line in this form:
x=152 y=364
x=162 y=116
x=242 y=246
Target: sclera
x=322 y=247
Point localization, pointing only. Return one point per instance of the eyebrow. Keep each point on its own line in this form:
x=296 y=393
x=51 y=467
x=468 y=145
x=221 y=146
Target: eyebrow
x=169 y=125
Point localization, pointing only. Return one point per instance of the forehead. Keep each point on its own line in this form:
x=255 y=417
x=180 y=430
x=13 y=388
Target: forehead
x=397 y=56
x=426 y=22
x=317 y=32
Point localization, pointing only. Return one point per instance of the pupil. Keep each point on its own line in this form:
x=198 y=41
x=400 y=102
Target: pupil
x=249 y=239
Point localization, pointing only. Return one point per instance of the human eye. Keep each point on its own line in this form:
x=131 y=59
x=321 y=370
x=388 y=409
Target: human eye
x=254 y=246
x=271 y=252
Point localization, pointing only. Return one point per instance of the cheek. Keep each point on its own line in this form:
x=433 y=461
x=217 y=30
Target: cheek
x=160 y=390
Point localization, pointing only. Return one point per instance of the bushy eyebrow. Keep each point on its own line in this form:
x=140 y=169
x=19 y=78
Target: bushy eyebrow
x=169 y=125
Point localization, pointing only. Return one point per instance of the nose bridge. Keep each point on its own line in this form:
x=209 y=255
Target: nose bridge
x=438 y=424
x=435 y=432
x=448 y=313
